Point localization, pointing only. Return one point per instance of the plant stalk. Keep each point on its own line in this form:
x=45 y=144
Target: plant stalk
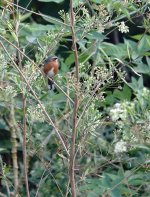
x=76 y=104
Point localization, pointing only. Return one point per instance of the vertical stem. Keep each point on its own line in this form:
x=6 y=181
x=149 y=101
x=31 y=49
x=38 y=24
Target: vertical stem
x=76 y=103
x=14 y=147
x=74 y=46
x=19 y=58
x=73 y=149
x=24 y=146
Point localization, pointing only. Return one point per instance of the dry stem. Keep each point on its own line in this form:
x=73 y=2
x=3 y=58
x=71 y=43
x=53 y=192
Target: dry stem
x=14 y=147
x=76 y=103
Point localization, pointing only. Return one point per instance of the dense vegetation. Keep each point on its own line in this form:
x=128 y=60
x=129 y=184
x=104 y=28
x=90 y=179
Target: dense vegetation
x=89 y=137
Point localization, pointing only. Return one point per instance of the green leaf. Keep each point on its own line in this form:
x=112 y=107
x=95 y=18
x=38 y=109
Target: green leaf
x=53 y=20
x=25 y=16
x=76 y=3
x=136 y=84
x=59 y=98
x=144 y=44
x=115 y=193
x=106 y=181
x=31 y=30
x=126 y=13
x=118 y=51
x=84 y=57
x=125 y=94
x=110 y=99
x=95 y=35
x=131 y=48
x=96 y=1
x=55 y=1
x=64 y=67
x=137 y=37
x=148 y=61
x=70 y=59
x=142 y=68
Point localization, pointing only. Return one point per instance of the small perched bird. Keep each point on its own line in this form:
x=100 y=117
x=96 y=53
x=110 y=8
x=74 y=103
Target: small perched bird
x=50 y=69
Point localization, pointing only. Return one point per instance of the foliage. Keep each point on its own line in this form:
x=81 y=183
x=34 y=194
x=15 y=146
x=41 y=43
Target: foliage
x=112 y=140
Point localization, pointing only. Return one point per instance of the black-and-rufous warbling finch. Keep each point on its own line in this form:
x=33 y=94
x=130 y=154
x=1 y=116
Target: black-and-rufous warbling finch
x=50 y=69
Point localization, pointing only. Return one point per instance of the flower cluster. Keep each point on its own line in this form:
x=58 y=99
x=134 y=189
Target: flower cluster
x=102 y=12
x=120 y=147
x=64 y=16
x=35 y=114
x=30 y=72
x=123 y=28
x=103 y=75
x=118 y=112
x=9 y=92
x=3 y=62
x=91 y=119
x=133 y=118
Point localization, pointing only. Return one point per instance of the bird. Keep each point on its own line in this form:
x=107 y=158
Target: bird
x=51 y=66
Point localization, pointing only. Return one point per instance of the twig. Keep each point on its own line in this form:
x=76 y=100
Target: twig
x=24 y=146
x=76 y=103
x=14 y=148
x=17 y=23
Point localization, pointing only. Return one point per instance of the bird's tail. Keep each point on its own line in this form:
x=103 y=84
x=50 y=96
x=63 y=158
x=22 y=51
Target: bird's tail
x=51 y=84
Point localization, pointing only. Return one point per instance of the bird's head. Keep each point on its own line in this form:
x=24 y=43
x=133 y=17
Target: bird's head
x=51 y=59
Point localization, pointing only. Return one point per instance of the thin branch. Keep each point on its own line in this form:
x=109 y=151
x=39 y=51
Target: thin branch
x=76 y=104
x=24 y=146
x=17 y=24
x=14 y=147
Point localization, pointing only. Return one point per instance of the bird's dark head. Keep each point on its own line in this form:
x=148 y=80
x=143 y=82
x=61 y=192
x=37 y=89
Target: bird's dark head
x=51 y=59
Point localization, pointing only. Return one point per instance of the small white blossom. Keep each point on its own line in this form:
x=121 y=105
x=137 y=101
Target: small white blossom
x=85 y=12
x=123 y=28
x=10 y=91
x=36 y=114
x=100 y=28
x=120 y=147
x=117 y=112
x=145 y=92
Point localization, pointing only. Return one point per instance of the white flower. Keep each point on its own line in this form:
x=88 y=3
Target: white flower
x=120 y=147
x=123 y=28
x=10 y=91
x=116 y=112
x=35 y=114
